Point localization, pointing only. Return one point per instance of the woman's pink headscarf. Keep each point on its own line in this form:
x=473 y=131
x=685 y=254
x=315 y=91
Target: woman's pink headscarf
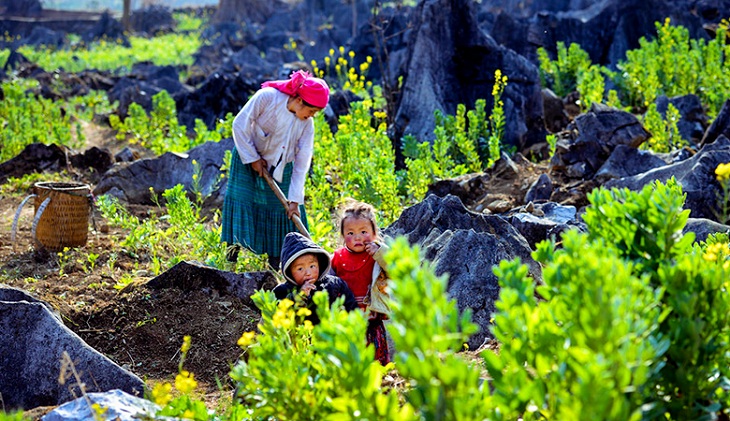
x=312 y=90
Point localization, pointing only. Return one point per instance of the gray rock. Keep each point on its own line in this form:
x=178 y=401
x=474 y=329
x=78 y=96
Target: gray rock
x=626 y=161
x=599 y=132
x=703 y=228
x=720 y=126
x=118 y=406
x=130 y=182
x=452 y=61
x=190 y=275
x=541 y=189
x=466 y=246
x=696 y=175
x=33 y=342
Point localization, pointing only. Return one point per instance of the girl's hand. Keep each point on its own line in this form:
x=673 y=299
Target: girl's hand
x=259 y=167
x=292 y=209
x=372 y=248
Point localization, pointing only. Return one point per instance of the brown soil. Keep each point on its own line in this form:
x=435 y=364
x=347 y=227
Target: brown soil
x=142 y=329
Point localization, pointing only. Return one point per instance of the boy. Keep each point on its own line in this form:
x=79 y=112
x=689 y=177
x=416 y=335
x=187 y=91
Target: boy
x=306 y=266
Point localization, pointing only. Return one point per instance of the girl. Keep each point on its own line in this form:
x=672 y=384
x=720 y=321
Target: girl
x=274 y=132
x=359 y=263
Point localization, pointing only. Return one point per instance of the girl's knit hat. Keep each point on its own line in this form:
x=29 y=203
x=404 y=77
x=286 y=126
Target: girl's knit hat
x=312 y=90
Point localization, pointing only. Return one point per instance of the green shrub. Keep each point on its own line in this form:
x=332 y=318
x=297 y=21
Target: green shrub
x=428 y=331
x=27 y=118
x=665 y=136
x=293 y=370
x=673 y=65
x=562 y=74
x=587 y=351
x=646 y=228
x=160 y=131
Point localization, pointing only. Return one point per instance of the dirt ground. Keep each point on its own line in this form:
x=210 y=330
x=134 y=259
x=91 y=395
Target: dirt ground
x=142 y=329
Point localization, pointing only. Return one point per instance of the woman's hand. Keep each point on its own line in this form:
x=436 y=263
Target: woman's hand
x=293 y=209
x=259 y=167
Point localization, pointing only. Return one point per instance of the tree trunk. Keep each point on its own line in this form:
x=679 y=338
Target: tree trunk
x=125 y=14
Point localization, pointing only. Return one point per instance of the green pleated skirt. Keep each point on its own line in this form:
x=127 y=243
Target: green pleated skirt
x=252 y=214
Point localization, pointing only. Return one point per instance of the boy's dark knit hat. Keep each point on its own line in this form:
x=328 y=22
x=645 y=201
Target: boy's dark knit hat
x=295 y=245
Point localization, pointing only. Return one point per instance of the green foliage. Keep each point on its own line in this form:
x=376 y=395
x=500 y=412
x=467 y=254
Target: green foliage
x=181 y=234
x=665 y=136
x=428 y=331
x=563 y=74
x=672 y=65
x=13 y=416
x=462 y=143
x=112 y=55
x=359 y=162
x=23 y=185
x=322 y=372
x=160 y=131
x=585 y=352
x=590 y=86
x=26 y=118
x=645 y=227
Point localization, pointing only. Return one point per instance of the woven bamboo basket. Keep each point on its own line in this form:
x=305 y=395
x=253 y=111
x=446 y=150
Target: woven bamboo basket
x=64 y=221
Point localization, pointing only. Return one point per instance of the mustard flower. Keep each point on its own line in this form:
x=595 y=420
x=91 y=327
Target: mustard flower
x=185 y=382
x=304 y=312
x=186 y=344
x=723 y=172
x=161 y=393
x=246 y=339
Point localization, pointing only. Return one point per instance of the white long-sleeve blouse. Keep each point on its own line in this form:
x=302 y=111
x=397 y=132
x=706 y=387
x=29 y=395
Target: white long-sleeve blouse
x=265 y=128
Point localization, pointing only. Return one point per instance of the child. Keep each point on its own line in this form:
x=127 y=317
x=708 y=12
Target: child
x=305 y=265
x=360 y=265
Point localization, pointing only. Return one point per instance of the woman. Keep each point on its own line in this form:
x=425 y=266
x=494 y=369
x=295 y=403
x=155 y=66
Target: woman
x=274 y=132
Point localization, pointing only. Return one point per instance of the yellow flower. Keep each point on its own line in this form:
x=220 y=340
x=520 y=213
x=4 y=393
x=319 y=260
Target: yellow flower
x=327 y=61
x=185 y=382
x=161 y=393
x=186 y=344
x=342 y=50
x=723 y=172
x=351 y=54
x=332 y=52
x=314 y=64
x=369 y=59
x=188 y=414
x=282 y=319
x=246 y=339
x=285 y=304
x=304 y=312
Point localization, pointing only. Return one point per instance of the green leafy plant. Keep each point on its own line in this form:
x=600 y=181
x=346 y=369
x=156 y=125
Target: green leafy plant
x=562 y=74
x=320 y=372
x=672 y=65
x=665 y=136
x=173 y=48
x=428 y=331
x=588 y=349
x=26 y=118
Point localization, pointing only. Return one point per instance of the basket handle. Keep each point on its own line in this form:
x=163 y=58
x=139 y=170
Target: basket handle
x=17 y=216
x=37 y=218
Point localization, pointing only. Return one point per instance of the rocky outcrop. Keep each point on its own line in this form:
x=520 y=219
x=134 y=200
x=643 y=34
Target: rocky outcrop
x=451 y=61
x=696 y=175
x=466 y=246
x=34 y=344
x=131 y=182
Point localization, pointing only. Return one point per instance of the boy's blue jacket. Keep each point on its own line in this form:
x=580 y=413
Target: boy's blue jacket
x=295 y=245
